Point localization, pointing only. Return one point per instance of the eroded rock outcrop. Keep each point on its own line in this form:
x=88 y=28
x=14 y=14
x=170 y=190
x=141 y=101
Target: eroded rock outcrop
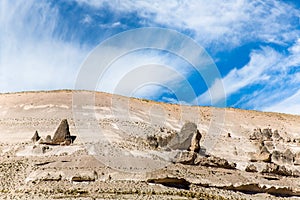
x=281 y=170
x=35 y=137
x=188 y=138
x=62 y=133
x=213 y=161
x=263 y=155
x=286 y=157
x=61 y=136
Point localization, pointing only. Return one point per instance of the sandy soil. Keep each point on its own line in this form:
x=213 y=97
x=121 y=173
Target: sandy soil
x=111 y=149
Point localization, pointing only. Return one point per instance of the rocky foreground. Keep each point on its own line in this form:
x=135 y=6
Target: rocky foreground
x=242 y=155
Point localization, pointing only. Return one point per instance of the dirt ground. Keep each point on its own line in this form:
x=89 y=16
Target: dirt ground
x=111 y=157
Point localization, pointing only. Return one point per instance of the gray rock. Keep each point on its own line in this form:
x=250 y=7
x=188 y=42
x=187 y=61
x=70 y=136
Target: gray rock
x=62 y=133
x=297 y=159
x=35 y=137
x=188 y=138
x=48 y=139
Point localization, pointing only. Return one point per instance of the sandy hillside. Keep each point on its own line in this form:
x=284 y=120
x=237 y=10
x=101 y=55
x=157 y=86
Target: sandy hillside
x=112 y=148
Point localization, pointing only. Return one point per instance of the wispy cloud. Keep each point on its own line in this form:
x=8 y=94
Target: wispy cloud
x=34 y=55
x=269 y=81
x=254 y=72
x=217 y=22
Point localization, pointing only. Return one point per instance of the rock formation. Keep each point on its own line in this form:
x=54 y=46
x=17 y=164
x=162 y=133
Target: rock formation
x=264 y=155
x=35 y=137
x=251 y=168
x=188 y=138
x=62 y=133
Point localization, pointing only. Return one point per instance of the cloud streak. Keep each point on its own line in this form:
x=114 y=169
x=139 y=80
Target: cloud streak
x=33 y=55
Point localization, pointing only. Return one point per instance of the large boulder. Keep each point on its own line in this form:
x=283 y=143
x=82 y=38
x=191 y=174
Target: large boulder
x=286 y=157
x=188 y=138
x=62 y=133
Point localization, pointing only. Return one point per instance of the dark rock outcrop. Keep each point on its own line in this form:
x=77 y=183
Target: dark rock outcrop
x=35 y=137
x=281 y=170
x=251 y=168
x=62 y=133
x=287 y=157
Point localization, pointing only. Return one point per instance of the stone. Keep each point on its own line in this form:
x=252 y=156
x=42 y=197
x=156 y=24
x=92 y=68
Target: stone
x=48 y=139
x=62 y=132
x=213 y=161
x=276 y=135
x=251 y=168
x=297 y=159
x=35 y=137
x=186 y=157
x=267 y=134
x=188 y=138
x=288 y=157
x=84 y=176
x=281 y=170
x=264 y=155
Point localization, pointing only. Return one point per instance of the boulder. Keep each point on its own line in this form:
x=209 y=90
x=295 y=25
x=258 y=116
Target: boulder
x=287 y=157
x=62 y=133
x=281 y=170
x=267 y=134
x=276 y=135
x=188 y=138
x=264 y=155
x=251 y=168
x=48 y=139
x=35 y=137
x=297 y=159
x=186 y=157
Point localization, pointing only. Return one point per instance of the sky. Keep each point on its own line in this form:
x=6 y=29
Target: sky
x=255 y=46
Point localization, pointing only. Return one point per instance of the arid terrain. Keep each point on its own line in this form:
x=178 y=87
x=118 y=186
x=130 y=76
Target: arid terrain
x=127 y=148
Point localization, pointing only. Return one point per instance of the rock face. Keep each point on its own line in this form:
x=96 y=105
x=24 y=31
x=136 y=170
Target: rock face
x=62 y=133
x=35 y=137
x=188 y=138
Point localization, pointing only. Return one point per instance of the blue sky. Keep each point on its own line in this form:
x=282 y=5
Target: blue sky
x=255 y=45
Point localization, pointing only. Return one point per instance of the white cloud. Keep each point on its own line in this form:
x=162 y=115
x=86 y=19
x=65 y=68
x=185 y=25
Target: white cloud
x=32 y=56
x=290 y=105
x=213 y=21
x=273 y=73
x=261 y=62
